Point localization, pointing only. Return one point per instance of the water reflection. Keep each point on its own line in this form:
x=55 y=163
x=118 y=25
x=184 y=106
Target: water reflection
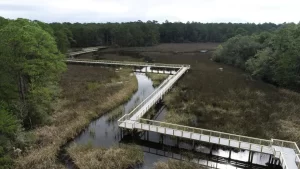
x=103 y=133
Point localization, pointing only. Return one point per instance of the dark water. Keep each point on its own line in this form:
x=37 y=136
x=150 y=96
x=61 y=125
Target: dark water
x=156 y=147
x=103 y=133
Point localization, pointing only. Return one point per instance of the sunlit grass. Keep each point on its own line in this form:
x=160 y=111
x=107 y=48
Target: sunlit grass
x=116 y=157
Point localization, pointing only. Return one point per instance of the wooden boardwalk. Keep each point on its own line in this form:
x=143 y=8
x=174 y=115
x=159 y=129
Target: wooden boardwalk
x=86 y=50
x=286 y=152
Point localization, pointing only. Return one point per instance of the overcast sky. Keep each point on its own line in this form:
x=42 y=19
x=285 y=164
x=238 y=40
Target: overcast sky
x=258 y=11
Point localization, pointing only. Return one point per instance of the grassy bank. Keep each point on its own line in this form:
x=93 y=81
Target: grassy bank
x=118 y=157
x=227 y=99
x=175 y=164
x=87 y=93
x=156 y=78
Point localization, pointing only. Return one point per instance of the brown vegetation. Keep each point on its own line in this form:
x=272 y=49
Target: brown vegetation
x=118 y=157
x=228 y=99
x=156 y=78
x=88 y=92
x=175 y=164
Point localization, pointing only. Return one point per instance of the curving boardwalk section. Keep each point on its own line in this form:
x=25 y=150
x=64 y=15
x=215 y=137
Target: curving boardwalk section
x=286 y=152
x=86 y=50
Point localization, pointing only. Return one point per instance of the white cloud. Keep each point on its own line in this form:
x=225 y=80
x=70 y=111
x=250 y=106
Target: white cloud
x=257 y=11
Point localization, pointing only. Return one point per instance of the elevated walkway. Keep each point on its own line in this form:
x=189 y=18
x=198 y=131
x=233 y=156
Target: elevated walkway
x=286 y=152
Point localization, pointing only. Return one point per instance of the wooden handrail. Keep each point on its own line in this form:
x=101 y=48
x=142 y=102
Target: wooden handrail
x=218 y=132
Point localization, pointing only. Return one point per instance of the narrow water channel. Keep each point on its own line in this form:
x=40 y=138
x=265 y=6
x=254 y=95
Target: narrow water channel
x=105 y=133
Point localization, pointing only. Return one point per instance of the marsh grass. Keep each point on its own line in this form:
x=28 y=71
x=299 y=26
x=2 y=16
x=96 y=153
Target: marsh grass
x=80 y=103
x=115 y=114
x=229 y=100
x=116 y=157
x=156 y=78
x=175 y=164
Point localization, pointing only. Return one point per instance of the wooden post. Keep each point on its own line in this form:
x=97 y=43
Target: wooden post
x=270 y=159
x=249 y=158
x=211 y=148
x=147 y=135
x=229 y=154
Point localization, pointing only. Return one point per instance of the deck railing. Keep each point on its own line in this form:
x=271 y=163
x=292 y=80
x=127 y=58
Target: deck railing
x=230 y=137
x=289 y=144
x=146 y=124
x=129 y=63
x=161 y=90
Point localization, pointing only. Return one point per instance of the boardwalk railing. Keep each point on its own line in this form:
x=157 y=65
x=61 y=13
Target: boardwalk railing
x=280 y=156
x=180 y=129
x=126 y=63
x=232 y=140
x=155 y=96
x=289 y=144
x=127 y=116
x=133 y=120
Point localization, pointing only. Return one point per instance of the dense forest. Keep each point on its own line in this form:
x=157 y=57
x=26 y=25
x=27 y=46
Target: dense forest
x=271 y=56
x=145 y=33
x=32 y=60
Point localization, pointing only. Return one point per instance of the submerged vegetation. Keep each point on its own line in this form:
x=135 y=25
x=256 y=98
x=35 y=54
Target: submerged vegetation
x=115 y=114
x=117 y=157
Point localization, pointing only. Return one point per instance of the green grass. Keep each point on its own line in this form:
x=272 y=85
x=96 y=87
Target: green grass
x=117 y=157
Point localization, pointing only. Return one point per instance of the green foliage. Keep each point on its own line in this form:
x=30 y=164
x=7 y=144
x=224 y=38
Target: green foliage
x=63 y=37
x=237 y=50
x=273 y=57
x=3 y=22
x=9 y=126
x=179 y=32
x=31 y=65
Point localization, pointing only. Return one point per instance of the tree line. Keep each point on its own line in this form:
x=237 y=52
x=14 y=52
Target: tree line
x=32 y=61
x=77 y=35
x=271 y=56
x=30 y=69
